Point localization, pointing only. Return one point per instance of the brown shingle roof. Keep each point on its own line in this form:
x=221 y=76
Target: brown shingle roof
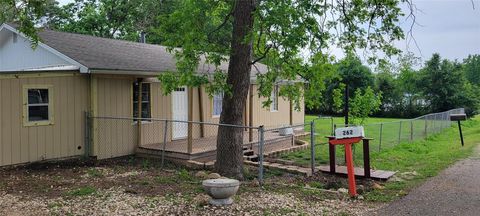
x=111 y=54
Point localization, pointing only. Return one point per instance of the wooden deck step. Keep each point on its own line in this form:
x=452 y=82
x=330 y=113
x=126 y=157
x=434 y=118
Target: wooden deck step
x=248 y=152
x=253 y=158
x=341 y=170
x=359 y=172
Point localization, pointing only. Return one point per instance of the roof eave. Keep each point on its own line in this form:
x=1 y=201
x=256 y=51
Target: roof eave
x=123 y=72
x=82 y=68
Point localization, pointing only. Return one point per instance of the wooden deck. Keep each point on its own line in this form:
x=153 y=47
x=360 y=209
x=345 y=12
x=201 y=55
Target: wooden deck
x=204 y=149
x=359 y=172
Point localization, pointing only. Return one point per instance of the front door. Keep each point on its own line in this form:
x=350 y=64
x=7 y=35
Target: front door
x=180 y=112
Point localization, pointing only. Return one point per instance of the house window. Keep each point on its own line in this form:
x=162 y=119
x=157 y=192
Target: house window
x=38 y=109
x=146 y=109
x=274 y=98
x=217 y=104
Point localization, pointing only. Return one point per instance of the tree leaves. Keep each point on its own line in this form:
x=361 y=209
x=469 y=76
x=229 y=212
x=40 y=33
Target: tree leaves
x=283 y=32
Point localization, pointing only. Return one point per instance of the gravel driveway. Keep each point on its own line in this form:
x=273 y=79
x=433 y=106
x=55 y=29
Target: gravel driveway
x=456 y=191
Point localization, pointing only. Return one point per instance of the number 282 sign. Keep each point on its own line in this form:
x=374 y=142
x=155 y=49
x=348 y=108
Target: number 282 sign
x=349 y=132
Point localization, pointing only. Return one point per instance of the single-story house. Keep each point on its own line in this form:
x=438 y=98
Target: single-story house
x=46 y=92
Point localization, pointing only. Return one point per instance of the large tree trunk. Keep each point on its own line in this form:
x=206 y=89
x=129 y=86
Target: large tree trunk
x=229 y=141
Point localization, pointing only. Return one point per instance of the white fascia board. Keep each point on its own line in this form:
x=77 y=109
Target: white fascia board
x=83 y=68
x=124 y=72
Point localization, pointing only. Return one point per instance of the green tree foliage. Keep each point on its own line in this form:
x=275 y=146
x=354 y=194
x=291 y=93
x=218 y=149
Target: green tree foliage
x=338 y=96
x=123 y=19
x=243 y=32
x=386 y=83
x=202 y=28
x=354 y=74
x=472 y=69
x=444 y=86
x=348 y=71
x=278 y=31
x=363 y=104
x=407 y=81
x=26 y=14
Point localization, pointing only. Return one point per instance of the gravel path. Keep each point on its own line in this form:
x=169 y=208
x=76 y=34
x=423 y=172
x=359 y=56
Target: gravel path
x=456 y=191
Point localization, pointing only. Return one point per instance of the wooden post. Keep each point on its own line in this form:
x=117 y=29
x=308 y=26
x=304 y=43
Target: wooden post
x=200 y=108
x=245 y=115
x=366 y=157
x=352 y=189
x=190 y=118
x=291 y=113
x=331 y=152
x=250 y=114
x=139 y=113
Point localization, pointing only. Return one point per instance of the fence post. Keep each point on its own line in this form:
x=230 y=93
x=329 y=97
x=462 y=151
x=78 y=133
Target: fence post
x=366 y=157
x=164 y=141
x=312 y=146
x=380 y=141
x=411 y=130
x=333 y=127
x=261 y=129
x=400 y=133
x=426 y=130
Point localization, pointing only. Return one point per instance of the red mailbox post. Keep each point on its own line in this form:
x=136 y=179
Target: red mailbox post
x=348 y=142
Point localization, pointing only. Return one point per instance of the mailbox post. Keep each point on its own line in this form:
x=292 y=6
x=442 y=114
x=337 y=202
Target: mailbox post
x=347 y=137
x=458 y=118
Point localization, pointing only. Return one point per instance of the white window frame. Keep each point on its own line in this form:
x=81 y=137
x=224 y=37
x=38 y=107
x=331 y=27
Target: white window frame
x=218 y=96
x=274 y=99
x=26 y=121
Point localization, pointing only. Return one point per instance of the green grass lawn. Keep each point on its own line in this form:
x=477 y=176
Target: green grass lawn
x=393 y=132
x=323 y=128
x=425 y=156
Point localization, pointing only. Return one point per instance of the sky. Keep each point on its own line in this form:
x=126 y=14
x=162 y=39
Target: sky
x=448 y=27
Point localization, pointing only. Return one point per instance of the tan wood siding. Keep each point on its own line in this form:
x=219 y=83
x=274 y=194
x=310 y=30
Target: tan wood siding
x=263 y=115
x=161 y=108
x=63 y=138
x=114 y=137
x=117 y=138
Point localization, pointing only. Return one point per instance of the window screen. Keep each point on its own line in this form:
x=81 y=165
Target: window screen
x=146 y=111
x=38 y=105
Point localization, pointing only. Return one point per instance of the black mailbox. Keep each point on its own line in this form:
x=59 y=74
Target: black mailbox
x=458 y=117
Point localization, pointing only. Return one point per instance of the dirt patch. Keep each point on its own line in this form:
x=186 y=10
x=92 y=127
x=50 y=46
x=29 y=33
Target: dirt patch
x=56 y=180
x=133 y=186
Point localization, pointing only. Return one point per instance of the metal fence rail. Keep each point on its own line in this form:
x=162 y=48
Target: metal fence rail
x=185 y=140
x=119 y=136
x=389 y=134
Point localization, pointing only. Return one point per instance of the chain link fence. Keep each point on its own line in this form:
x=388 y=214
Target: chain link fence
x=388 y=134
x=110 y=137
x=384 y=135
x=191 y=140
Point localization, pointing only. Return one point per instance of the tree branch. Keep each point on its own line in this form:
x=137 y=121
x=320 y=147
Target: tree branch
x=264 y=55
x=225 y=21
